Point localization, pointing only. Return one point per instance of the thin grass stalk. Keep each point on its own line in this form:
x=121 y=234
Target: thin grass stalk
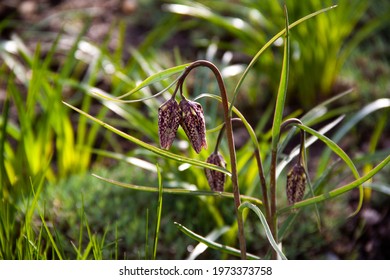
x=4 y=180
x=159 y=211
x=263 y=185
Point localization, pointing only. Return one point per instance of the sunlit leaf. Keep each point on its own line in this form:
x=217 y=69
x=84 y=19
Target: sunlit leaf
x=214 y=245
x=263 y=221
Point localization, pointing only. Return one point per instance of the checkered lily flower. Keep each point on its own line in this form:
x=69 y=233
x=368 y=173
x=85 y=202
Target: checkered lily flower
x=215 y=178
x=192 y=121
x=296 y=183
x=169 y=116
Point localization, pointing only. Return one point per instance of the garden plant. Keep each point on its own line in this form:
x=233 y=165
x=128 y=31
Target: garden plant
x=189 y=141
x=190 y=116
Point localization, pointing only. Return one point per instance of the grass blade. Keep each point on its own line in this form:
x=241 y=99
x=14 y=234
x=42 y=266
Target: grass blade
x=178 y=190
x=147 y=235
x=382 y=103
x=156 y=78
x=283 y=163
x=214 y=245
x=212 y=236
x=159 y=210
x=333 y=146
x=4 y=179
x=268 y=44
x=282 y=92
x=263 y=221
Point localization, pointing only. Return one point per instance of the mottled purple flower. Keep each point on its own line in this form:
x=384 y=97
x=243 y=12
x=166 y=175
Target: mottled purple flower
x=169 y=116
x=296 y=183
x=192 y=121
x=215 y=178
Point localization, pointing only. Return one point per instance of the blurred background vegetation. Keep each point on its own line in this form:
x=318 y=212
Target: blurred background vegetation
x=50 y=51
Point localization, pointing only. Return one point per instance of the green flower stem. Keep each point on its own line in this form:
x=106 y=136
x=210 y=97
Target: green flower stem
x=258 y=161
x=301 y=155
x=219 y=138
x=220 y=134
x=229 y=135
x=256 y=144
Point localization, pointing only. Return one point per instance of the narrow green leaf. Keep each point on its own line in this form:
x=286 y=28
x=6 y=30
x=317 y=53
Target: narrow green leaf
x=97 y=92
x=131 y=160
x=311 y=189
x=333 y=146
x=147 y=235
x=214 y=245
x=212 y=236
x=149 y=147
x=282 y=92
x=283 y=163
x=340 y=152
x=159 y=210
x=236 y=26
x=52 y=241
x=263 y=221
x=178 y=190
x=156 y=78
x=268 y=44
x=4 y=179
x=338 y=191
x=370 y=108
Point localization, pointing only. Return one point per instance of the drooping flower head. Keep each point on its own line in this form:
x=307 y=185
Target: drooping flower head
x=215 y=178
x=192 y=121
x=296 y=183
x=169 y=116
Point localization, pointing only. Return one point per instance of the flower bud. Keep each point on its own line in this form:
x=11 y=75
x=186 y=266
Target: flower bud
x=215 y=178
x=168 y=122
x=296 y=183
x=192 y=121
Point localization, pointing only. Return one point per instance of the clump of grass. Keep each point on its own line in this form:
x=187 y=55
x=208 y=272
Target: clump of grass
x=42 y=141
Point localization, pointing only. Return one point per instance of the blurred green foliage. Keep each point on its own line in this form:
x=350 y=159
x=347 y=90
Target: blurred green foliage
x=320 y=47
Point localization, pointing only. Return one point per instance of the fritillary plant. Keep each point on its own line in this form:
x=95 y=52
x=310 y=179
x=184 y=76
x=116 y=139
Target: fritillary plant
x=189 y=115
